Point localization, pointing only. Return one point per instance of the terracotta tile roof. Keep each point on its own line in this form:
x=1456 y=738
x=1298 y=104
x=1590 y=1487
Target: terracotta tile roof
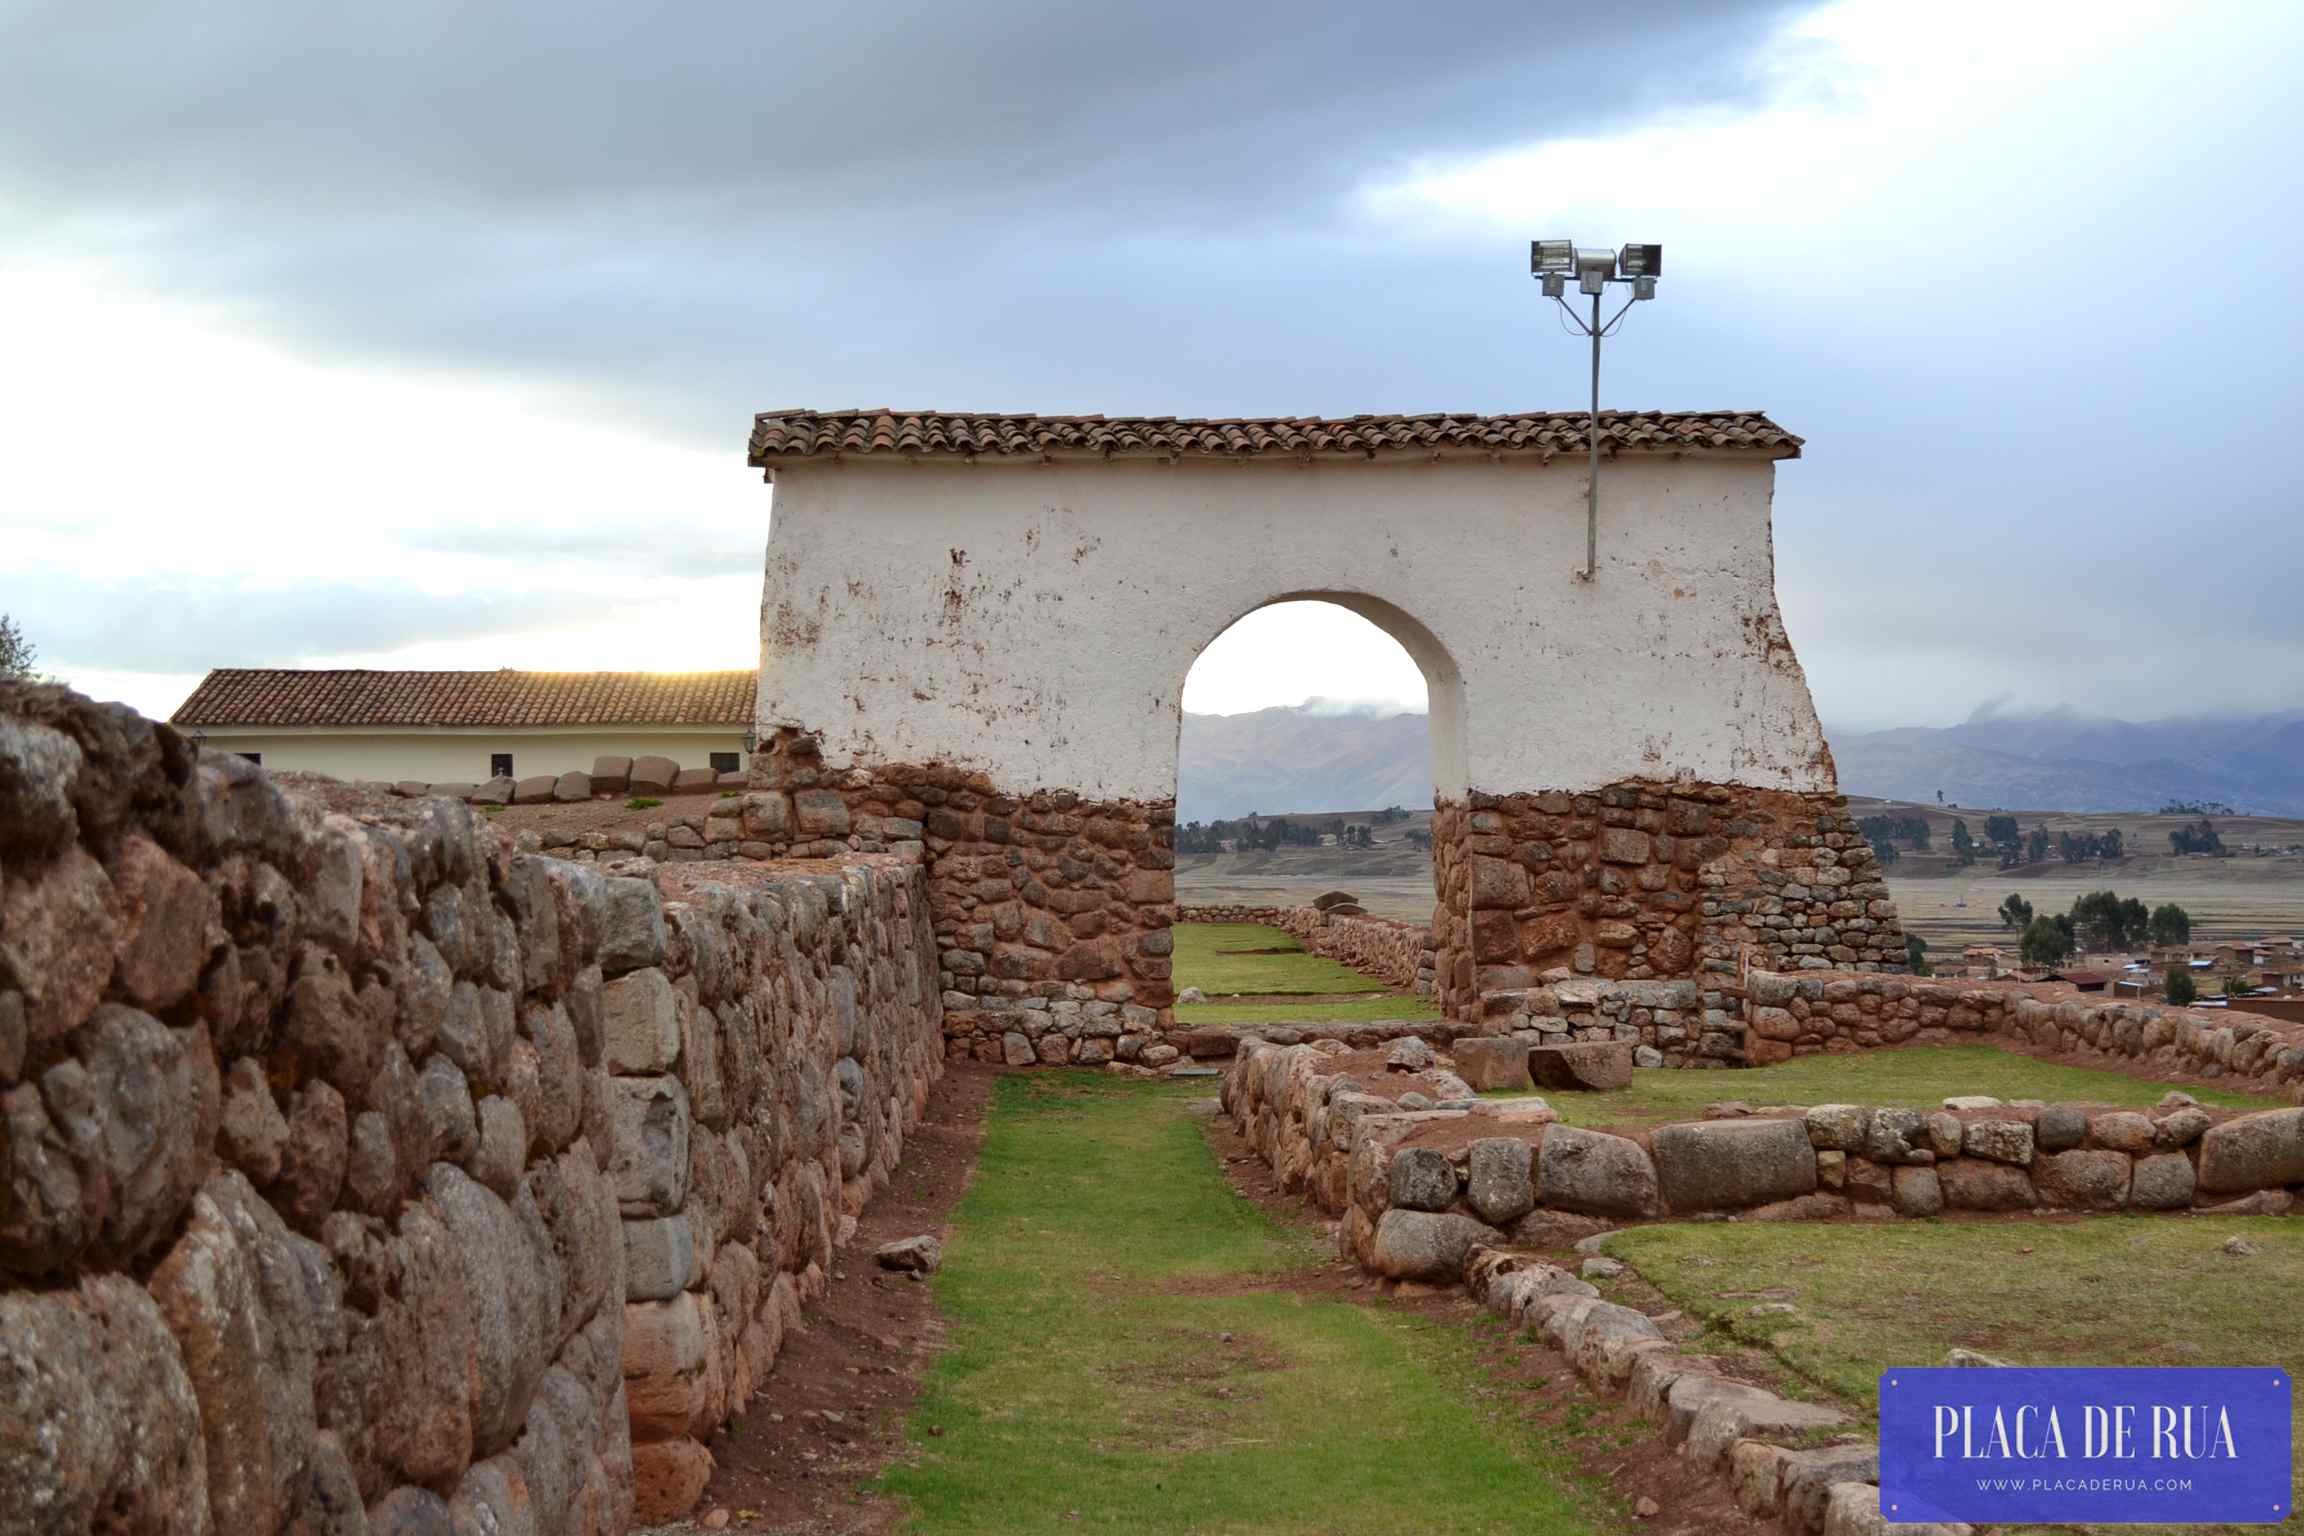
x=778 y=436
x=290 y=696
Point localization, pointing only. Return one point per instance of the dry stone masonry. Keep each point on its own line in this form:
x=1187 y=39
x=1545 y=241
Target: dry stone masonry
x=1804 y=1014
x=1421 y=1171
x=609 y=776
x=360 y=1174
x=1648 y=881
x=1052 y=915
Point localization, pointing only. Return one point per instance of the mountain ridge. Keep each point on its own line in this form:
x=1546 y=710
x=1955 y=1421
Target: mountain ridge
x=1311 y=757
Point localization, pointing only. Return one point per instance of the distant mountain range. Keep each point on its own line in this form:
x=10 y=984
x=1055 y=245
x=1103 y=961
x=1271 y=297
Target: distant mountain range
x=1308 y=758
x=1301 y=759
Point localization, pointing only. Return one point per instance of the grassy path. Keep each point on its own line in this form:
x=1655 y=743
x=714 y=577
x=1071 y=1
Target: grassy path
x=1127 y=1355
x=1250 y=973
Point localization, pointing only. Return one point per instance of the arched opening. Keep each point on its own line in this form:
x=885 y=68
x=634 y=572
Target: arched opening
x=1319 y=730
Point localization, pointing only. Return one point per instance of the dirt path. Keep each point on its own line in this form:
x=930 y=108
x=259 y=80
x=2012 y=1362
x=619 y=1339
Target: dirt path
x=1135 y=1331
x=831 y=1414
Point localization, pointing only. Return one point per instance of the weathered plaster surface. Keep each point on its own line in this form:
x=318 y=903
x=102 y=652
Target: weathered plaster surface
x=1036 y=622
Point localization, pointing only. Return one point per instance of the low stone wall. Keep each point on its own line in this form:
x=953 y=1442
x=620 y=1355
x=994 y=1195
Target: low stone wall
x=609 y=776
x=1805 y=1465
x=1799 y=1015
x=1417 y=1187
x=1397 y=953
x=359 y=1173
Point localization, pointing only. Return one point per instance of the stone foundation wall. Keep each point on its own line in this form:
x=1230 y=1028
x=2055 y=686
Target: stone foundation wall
x=358 y=1173
x=1803 y=1014
x=1419 y=1188
x=1646 y=881
x=768 y=1047
x=1395 y=952
x=1051 y=914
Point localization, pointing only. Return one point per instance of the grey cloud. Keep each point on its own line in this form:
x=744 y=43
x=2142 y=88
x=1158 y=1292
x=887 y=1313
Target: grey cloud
x=704 y=209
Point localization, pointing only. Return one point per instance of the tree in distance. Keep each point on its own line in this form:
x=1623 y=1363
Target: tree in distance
x=2171 y=925
x=2047 y=941
x=17 y=654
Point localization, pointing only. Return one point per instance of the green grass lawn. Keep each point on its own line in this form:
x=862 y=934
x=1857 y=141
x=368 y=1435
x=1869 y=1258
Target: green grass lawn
x=1211 y=956
x=1120 y=1357
x=1392 y=1005
x=1920 y=1076
x=2106 y=1290
x=1215 y=957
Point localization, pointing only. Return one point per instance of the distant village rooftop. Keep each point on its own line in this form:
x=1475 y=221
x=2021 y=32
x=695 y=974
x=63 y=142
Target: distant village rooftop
x=283 y=696
x=785 y=435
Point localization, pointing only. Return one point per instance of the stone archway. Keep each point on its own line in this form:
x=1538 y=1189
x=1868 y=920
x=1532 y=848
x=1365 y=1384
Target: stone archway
x=975 y=632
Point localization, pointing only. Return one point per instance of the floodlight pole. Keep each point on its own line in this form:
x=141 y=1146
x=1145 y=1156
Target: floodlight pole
x=1592 y=486
x=1637 y=266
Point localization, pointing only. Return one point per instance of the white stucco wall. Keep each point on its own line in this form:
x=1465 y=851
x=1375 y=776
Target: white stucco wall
x=461 y=757
x=1036 y=621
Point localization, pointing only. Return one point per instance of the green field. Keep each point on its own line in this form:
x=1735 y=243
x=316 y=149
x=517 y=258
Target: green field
x=2098 y=1291
x=1250 y=971
x=1918 y=1076
x=1126 y=1354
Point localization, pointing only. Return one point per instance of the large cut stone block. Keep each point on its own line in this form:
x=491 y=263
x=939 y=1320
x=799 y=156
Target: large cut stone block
x=1593 y=1066
x=1721 y=1164
x=1493 y=1063
x=1421 y=1180
x=98 y=1418
x=640 y=1023
x=1580 y=1170
x=1426 y=1245
x=653 y=775
x=2261 y=1151
x=1501 y=1182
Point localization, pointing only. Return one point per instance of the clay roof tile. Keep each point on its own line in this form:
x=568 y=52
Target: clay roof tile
x=780 y=436
x=286 y=696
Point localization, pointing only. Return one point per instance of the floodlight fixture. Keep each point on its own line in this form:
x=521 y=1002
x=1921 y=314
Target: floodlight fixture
x=1637 y=267
x=1594 y=267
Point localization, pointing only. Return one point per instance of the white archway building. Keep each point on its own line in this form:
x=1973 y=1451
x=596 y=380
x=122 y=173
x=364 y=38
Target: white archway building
x=1005 y=607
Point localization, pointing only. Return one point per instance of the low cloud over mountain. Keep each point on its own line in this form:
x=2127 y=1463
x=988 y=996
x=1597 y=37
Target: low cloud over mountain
x=1313 y=759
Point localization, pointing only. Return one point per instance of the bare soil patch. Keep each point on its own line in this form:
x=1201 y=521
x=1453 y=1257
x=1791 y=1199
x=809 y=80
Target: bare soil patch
x=831 y=1414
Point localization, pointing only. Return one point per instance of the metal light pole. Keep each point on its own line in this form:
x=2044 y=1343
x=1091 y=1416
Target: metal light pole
x=1637 y=266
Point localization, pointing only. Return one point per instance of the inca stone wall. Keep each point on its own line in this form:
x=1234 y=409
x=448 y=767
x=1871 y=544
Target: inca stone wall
x=765 y=1063
x=1051 y=914
x=1650 y=881
x=1420 y=1181
x=359 y=1174
x=1806 y=1013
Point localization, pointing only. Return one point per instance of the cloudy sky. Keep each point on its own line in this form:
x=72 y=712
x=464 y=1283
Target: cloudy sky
x=428 y=334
